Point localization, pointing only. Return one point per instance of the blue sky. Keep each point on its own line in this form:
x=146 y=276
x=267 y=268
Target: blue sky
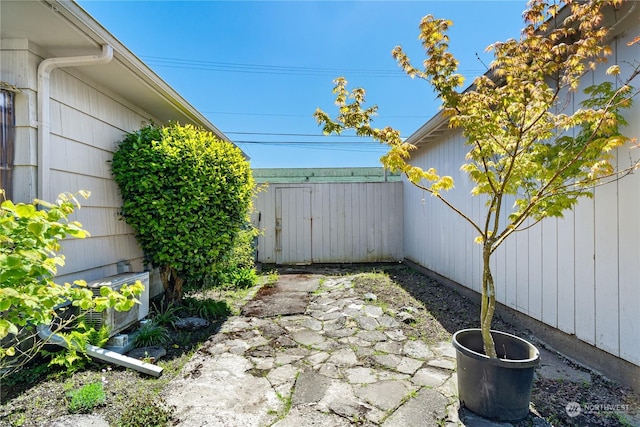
x=259 y=69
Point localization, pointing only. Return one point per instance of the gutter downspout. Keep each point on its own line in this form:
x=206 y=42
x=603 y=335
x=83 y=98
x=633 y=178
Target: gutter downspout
x=44 y=114
x=45 y=333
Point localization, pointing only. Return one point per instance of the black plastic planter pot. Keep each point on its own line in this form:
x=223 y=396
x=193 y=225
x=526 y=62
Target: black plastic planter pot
x=497 y=389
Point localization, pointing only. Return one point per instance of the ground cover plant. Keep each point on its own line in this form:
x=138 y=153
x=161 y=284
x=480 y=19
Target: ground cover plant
x=86 y=398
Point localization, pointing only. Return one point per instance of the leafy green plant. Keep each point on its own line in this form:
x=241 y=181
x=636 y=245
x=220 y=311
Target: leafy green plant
x=241 y=278
x=30 y=237
x=244 y=278
x=237 y=267
x=207 y=308
x=167 y=316
x=187 y=195
x=525 y=150
x=74 y=357
x=146 y=410
x=272 y=278
x=151 y=334
x=99 y=337
x=86 y=398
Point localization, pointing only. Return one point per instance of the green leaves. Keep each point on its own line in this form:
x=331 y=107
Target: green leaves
x=122 y=300
x=526 y=147
x=7 y=328
x=186 y=194
x=28 y=264
x=25 y=211
x=523 y=144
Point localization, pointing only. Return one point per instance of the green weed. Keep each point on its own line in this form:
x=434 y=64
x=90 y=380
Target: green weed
x=151 y=334
x=272 y=278
x=207 y=308
x=86 y=398
x=146 y=410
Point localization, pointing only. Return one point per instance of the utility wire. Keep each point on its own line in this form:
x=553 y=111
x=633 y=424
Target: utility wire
x=307 y=115
x=323 y=147
x=319 y=143
x=274 y=69
x=290 y=134
x=265 y=69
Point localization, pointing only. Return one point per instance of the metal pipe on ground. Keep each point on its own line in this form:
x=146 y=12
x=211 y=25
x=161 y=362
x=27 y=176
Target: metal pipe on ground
x=46 y=334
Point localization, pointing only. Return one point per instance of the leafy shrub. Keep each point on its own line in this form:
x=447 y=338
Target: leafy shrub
x=86 y=398
x=243 y=278
x=207 y=308
x=151 y=334
x=237 y=267
x=187 y=196
x=146 y=410
x=29 y=258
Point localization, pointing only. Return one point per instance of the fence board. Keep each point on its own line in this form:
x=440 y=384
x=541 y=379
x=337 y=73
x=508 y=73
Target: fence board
x=350 y=222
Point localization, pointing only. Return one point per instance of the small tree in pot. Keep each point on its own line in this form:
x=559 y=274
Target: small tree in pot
x=524 y=146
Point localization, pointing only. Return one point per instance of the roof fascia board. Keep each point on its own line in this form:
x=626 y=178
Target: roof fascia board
x=99 y=35
x=437 y=123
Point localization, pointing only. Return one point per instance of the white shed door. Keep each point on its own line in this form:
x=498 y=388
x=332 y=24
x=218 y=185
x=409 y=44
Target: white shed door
x=293 y=225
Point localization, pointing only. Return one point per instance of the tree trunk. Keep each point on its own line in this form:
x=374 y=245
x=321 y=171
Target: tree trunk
x=488 y=301
x=172 y=284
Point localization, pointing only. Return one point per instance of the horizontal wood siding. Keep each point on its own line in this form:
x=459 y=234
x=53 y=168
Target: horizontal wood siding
x=350 y=222
x=86 y=123
x=579 y=274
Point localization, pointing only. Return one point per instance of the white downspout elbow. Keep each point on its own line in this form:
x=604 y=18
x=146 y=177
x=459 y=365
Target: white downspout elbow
x=44 y=114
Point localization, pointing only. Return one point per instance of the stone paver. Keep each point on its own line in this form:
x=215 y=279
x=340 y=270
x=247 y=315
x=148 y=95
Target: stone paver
x=344 y=361
x=425 y=409
x=340 y=361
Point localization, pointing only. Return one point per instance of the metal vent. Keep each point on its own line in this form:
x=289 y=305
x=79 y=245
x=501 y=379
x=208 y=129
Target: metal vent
x=118 y=321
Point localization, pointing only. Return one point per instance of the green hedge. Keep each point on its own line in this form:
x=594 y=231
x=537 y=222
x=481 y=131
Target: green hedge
x=186 y=194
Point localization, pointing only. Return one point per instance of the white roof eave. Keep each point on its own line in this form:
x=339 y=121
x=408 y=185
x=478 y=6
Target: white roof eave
x=61 y=28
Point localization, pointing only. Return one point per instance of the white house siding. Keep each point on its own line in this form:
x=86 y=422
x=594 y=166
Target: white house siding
x=16 y=65
x=330 y=222
x=579 y=274
x=86 y=123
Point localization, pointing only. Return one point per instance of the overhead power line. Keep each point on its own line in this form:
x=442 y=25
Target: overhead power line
x=291 y=134
x=319 y=143
x=308 y=115
x=264 y=69
x=362 y=147
x=192 y=64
